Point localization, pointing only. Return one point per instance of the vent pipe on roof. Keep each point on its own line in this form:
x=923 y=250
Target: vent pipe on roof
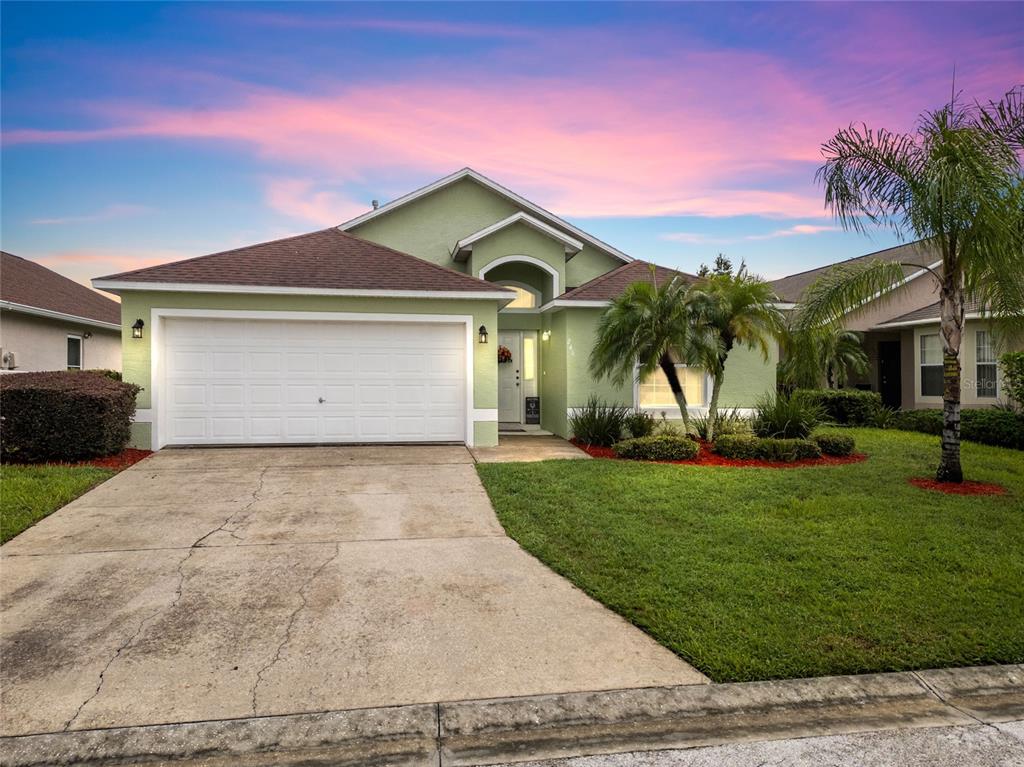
x=375 y=204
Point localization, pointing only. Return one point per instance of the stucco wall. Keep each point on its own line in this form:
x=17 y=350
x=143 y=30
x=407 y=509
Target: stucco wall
x=920 y=292
x=521 y=240
x=137 y=352
x=553 y=402
x=430 y=226
x=40 y=343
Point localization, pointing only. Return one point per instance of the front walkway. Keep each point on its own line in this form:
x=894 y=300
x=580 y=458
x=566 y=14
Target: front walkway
x=214 y=584
x=521 y=447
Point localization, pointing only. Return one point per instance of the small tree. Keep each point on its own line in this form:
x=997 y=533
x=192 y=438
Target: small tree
x=736 y=309
x=648 y=327
x=824 y=353
x=956 y=181
x=1012 y=364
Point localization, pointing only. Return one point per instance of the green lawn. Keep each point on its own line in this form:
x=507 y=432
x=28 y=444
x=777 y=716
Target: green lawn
x=769 y=573
x=29 y=493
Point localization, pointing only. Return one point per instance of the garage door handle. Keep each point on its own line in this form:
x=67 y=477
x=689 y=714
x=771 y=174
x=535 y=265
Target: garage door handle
x=321 y=400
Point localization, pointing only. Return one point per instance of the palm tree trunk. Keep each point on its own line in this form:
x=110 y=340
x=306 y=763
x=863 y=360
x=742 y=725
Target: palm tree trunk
x=716 y=389
x=668 y=367
x=951 y=324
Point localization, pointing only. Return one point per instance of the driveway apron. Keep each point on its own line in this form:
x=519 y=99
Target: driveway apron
x=223 y=583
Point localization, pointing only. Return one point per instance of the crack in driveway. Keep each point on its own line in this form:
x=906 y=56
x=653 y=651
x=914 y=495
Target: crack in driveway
x=291 y=623
x=178 y=591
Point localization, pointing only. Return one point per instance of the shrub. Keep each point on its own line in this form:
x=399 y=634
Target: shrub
x=64 y=416
x=660 y=448
x=598 y=423
x=639 y=423
x=1012 y=364
x=884 y=418
x=989 y=426
x=728 y=422
x=834 y=444
x=748 y=446
x=849 y=407
x=113 y=375
x=783 y=417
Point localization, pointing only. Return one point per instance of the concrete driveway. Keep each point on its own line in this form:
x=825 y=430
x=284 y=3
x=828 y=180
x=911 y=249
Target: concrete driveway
x=213 y=584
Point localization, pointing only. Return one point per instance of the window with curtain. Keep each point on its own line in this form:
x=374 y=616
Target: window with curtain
x=985 y=361
x=931 y=365
x=655 y=391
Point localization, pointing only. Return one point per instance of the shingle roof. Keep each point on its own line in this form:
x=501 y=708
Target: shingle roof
x=611 y=284
x=922 y=252
x=27 y=283
x=932 y=312
x=328 y=259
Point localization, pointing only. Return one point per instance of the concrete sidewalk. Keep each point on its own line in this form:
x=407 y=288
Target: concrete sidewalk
x=217 y=584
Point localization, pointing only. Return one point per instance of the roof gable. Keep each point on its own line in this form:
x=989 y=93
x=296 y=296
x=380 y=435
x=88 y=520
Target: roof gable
x=26 y=284
x=324 y=261
x=465 y=246
x=529 y=207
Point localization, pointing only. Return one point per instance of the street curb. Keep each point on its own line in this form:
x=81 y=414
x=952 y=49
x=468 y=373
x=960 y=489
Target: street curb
x=550 y=726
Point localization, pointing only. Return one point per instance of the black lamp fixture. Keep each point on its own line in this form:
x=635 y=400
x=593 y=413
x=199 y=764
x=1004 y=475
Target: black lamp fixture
x=137 y=328
x=483 y=334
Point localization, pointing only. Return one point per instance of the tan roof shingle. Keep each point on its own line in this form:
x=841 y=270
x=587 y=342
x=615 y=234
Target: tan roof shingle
x=328 y=259
x=611 y=284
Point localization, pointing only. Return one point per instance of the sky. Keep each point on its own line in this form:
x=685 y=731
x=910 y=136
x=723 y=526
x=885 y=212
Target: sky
x=138 y=133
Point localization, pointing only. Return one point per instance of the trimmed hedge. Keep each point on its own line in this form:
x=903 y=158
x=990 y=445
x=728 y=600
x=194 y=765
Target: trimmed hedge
x=848 y=407
x=664 y=447
x=64 y=416
x=989 y=426
x=749 y=447
x=834 y=444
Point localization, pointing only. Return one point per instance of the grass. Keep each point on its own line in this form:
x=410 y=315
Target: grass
x=778 y=573
x=29 y=493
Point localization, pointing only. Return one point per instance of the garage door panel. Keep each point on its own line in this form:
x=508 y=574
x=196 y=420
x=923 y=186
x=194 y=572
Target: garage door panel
x=262 y=381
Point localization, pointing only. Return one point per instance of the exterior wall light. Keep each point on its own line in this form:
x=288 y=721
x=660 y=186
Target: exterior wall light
x=483 y=334
x=545 y=336
x=137 y=328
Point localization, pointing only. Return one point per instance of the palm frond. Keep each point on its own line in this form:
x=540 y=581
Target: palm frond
x=846 y=290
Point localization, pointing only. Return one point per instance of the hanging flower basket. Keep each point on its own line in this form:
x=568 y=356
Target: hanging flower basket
x=504 y=355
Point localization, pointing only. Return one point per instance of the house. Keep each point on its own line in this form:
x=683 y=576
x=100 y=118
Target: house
x=389 y=328
x=48 y=322
x=901 y=334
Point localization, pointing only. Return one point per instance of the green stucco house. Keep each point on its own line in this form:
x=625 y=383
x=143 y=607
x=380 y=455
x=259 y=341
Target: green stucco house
x=389 y=328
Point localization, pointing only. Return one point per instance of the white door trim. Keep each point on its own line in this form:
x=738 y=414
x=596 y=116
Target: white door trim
x=156 y=350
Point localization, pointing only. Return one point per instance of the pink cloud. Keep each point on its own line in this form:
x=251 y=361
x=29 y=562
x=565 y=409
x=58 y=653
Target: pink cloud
x=429 y=27
x=299 y=199
x=695 y=132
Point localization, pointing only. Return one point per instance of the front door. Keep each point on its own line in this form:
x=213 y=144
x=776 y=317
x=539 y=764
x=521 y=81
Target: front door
x=890 y=381
x=510 y=398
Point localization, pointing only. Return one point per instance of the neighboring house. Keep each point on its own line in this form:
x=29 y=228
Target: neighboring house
x=48 y=322
x=901 y=334
x=388 y=327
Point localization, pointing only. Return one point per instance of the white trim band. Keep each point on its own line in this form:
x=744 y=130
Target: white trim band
x=53 y=315
x=184 y=287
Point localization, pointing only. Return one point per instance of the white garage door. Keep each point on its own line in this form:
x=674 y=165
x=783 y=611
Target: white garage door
x=269 y=381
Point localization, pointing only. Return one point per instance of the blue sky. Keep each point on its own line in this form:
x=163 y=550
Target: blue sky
x=135 y=133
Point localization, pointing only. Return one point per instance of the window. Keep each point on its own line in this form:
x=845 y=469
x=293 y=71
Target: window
x=985 y=359
x=655 y=391
x=529 y=357
x=931 y=366
x=525 y=299
x=74 y=352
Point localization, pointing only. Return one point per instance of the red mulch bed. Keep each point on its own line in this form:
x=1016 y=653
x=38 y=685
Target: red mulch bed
x=706 y=457
x=118 y=461
x=957 y=488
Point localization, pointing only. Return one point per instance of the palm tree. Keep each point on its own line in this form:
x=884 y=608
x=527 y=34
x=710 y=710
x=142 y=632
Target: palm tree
x=956 y=181
x=823 y=352
x=649 y=326
x=736 y=309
